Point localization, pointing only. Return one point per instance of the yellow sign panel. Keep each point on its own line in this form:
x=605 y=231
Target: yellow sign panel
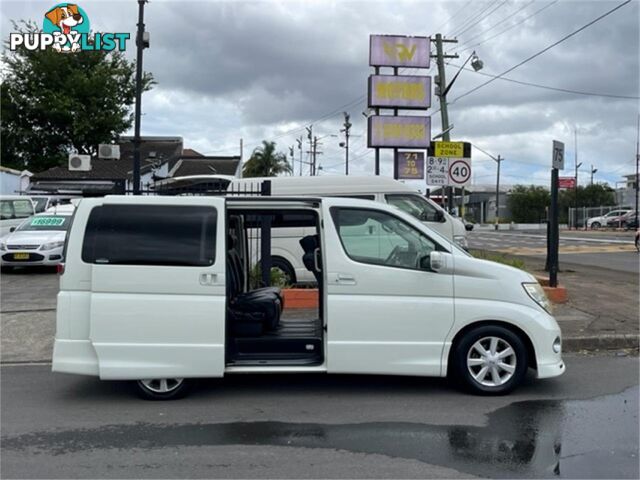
x=449 y=149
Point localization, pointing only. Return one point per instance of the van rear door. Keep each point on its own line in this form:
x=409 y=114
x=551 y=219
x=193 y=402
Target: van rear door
x=157 y=307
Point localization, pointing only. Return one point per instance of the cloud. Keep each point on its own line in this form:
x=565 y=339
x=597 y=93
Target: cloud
x=264 y=69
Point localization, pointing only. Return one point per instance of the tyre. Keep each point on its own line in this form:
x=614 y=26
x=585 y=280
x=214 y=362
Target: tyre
x=490 y=360
x=162 y=388
x=595 y=225
x=286 y=268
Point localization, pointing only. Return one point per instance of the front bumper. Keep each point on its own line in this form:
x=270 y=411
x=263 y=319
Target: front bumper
x=34 y=257
x=551 y=369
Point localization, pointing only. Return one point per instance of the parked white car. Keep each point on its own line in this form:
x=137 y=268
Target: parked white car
x=155 y=290
x=13 y=210
x=597 y=222
x=38 y=240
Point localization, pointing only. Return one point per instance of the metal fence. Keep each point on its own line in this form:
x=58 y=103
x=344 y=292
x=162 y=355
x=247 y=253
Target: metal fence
x=577 y=217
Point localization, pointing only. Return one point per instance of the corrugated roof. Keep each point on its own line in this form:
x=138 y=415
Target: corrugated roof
x=205 y=166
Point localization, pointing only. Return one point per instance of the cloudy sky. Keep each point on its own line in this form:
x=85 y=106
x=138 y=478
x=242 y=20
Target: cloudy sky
x=266 y=69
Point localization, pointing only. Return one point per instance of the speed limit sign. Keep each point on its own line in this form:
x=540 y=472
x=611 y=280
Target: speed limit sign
x=459 y=171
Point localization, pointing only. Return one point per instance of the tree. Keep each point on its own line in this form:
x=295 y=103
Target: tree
x=528 y=203
x=266 y=162
x=54 y=103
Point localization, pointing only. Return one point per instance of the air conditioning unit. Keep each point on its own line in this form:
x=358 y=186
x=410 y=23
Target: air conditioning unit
x=79 y=162
x=108 y=151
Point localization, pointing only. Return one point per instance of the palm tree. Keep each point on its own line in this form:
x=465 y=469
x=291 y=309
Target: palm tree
x=266 y=162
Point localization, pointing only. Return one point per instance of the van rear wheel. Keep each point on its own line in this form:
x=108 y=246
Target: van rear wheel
x=490 y=360
x=162 y=388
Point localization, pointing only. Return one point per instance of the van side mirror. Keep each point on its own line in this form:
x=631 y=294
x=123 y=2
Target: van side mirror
x=12 y=229
x=433 y=262
x=439 y=216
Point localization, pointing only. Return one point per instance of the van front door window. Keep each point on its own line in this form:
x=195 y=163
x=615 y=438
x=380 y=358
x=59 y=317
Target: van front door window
x=371 y=236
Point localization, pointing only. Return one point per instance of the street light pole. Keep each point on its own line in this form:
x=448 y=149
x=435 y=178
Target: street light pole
x=136 y=131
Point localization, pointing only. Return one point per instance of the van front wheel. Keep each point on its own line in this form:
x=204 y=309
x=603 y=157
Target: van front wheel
x=162 y=388
x=490 y=360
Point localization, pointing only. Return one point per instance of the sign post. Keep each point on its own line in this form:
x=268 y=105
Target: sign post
x=553 y=234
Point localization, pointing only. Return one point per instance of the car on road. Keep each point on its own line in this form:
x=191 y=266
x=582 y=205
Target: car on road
x=13 y=210
x=38 y=240
x=621 y=221
x=156 y=290
x=601 y=221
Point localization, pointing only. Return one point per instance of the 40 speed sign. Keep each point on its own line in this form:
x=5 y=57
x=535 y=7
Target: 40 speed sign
x=459 y=171
x=445 y=171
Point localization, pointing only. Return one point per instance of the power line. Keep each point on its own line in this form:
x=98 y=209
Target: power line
x=497 y=24
x=483 y=18
x=511 y=27
x=548 y=87
x=566 y=37
x=452 y=16
x=474 y=17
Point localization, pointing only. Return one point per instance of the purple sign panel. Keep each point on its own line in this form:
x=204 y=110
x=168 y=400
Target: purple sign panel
x=403 y=91
x=399 y=51
x=410 y=165
x=399 y=132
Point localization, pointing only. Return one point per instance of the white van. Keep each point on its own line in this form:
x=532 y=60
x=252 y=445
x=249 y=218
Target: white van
x=13 y=210
x=155 y=290
x=285 y=250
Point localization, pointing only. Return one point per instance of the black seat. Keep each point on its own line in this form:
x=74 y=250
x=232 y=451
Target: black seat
x=309 y=245
x=250 y=313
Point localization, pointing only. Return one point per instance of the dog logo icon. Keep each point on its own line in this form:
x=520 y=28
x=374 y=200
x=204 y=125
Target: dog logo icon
x=69 y=20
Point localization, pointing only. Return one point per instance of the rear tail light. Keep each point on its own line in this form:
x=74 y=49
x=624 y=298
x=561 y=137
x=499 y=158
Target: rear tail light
x=60 y=268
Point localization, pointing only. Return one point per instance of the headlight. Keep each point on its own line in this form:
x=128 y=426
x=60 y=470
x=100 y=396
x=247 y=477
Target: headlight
x=461 y=240
x=3 y=246
x=557 y=345
x=52 y=245
x=536 y=292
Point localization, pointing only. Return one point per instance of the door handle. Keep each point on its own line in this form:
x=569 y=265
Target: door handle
x=345 y=279
x=209 y=279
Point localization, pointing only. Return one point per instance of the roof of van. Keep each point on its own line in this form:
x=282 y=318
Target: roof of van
x=329 y=184
x=14 y=197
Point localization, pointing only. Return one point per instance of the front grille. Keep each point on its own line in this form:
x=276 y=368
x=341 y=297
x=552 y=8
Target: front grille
x=22 y=247
x=33 y=257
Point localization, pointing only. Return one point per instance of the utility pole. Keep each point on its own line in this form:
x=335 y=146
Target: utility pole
x=292 y=161
x=441 y=91
x=593 y=171
x=140 y=44
x=637 y=171
x=498 y=160
x=315 y=155
x=299 y=142
x=310 y=138
x=346 y=129
x=577 y=165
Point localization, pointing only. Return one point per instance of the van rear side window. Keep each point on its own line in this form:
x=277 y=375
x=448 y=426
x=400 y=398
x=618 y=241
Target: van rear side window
x=151 y=235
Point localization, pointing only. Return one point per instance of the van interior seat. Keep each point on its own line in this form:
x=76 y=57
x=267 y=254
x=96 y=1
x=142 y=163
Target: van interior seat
x=254 y=312
x=309 y=245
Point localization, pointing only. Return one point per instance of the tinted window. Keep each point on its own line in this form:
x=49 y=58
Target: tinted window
x=371 y=236
x=414 y=205
x=150 y=235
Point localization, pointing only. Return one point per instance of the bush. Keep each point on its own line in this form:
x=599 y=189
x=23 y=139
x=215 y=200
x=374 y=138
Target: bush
x=278 y=278
x=499 y=258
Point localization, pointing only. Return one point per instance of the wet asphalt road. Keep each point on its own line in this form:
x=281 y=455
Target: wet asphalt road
x=581 y=425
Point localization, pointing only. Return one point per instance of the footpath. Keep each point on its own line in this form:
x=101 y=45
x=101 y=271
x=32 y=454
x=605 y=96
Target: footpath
x=602 y=311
